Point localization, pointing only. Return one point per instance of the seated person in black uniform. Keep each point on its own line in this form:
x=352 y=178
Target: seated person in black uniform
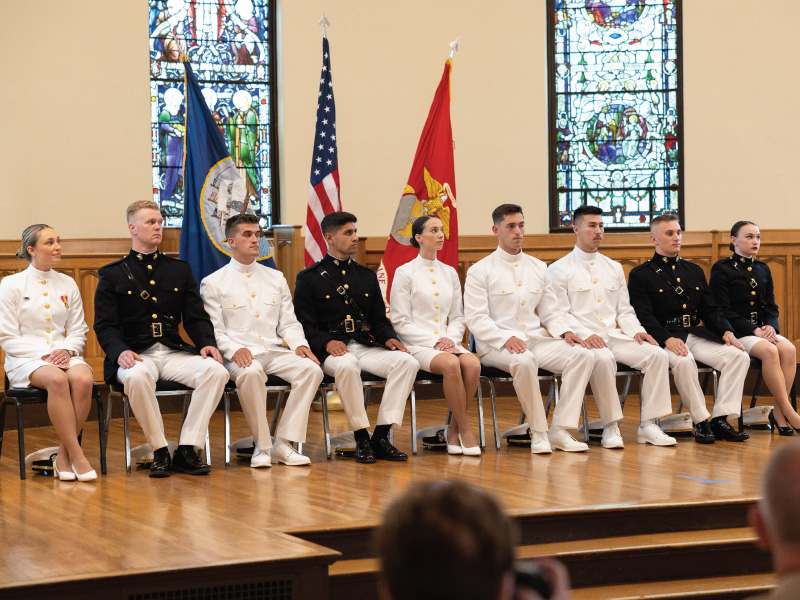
x=671 y=298
x=742 y=286
x=340 y=306
x=140 y=301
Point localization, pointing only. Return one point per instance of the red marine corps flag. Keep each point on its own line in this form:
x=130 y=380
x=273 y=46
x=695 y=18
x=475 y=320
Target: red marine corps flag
x=431 y=190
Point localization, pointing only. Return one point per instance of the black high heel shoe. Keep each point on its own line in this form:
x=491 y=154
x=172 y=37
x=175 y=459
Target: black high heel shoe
x=785 y=431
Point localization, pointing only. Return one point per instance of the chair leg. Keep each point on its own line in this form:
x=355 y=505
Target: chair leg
x=276 y=414
x=413 y=398
x=3 y=409
x=550 y=397
x=756 y=389
x=227 y=403
x=208 y=448
x=496 y=426
x=481 y=428
x=21 y=437
x=101 y=428
x=108 y=414
x=585 y=421
x=325 y=424
x=625 y=392
x=126 y=426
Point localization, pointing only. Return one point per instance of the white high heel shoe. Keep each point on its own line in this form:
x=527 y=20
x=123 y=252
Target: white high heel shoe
x=471 y=451
x=88 y=476
x=452 y=448
x=62 y=475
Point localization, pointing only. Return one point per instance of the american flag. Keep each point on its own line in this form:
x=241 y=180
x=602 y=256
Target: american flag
x=323 y=195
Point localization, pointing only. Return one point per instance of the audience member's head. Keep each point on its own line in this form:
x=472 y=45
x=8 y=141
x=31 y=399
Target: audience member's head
x=445 y=541
x=776 y=517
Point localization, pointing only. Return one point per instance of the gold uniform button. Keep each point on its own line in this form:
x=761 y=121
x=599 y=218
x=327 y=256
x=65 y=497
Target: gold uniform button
x=684 y=306
x=367 y=295
x=259 y=337
x=234 y=306
x=753 y=293
x=519 y=284
x=516 y=264
x=152 y=282
x=595 y=282
x=344 y=272
x=347 y=287
x=678 y=279
x=154 y=315
x=749 y=268
x=522 y=303
x=43 y=282
x=327 y=296
x=155 y=299
x=47 y=330
x=520 y=322
x=130 y=292
x=592 y=263
x=149 y=267
x=47 y=306
x=431 y=269
x=660 y=290
x=252 y=295
x=673 y=267
x=176 y=289
x=48 y=342
x=751 y=304
x=48 y=318
x=249 y=274
x=435 y=332
x=44 y=293
x=502 y=291
x=257 y=315
x=697 y=288
x=434 y=281
x=437 y=306
x=601 y=318
x=598 y=300
x=435 y=321
x=437 y=293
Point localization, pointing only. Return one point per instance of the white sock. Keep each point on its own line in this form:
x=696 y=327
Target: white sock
x=647 y=422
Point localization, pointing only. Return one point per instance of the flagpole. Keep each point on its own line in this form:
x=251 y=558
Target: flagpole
x=324 y=22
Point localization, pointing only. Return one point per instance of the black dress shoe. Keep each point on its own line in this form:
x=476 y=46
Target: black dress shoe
x=162 y=465
x=187 y=460
x=364 y=453
x=385 y=451
x=723 y=431
x=703 y=433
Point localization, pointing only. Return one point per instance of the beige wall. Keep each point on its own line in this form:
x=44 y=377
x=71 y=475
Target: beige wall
x=77 y=168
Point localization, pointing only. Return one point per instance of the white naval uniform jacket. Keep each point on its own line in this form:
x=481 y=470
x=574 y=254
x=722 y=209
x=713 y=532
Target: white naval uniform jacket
x=426 y=304
x=40 y=311
x=507 y=295
x=591 y=287
x=251 y=307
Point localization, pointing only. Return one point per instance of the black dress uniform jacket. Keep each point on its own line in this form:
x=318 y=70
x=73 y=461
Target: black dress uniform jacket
x=656 y=302
x=733 y=291
x=123 y=320
x=320 y=308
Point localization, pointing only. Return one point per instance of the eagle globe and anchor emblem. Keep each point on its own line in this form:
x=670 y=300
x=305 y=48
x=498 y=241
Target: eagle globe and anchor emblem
x=224 y=195
x=411 y=207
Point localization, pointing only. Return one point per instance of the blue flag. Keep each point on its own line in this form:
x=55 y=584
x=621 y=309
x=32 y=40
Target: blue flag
x=214 y=190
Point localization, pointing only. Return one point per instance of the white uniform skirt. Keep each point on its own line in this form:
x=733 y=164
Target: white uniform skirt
x=21 y=375
x=749 y=341
x=424 y=355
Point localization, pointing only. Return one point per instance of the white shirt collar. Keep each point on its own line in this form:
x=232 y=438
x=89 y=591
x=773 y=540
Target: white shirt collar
x=426 y=262
x=585 y=255
x=240 y=268
x=506 y=256
x=39 y=274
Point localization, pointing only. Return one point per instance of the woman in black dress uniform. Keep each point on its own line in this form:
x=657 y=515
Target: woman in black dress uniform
x=743 y=288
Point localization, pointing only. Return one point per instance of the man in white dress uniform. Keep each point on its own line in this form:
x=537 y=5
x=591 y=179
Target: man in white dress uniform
x=592 y=288
x=251 y=308
x=502 y=296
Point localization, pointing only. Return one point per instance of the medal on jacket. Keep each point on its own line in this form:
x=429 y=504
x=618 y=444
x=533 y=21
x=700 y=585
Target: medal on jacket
x=64 y=300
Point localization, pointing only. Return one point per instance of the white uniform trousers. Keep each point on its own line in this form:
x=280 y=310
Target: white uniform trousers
x=399 y=369
x=205 y=375
x=732 y=364
x=574 y=363
x=651 y=360
x=302 y=373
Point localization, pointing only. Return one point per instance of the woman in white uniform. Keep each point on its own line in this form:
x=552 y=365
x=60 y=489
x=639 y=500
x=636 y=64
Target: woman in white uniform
x=742 y=286
x=43 y=333
x=427 y=312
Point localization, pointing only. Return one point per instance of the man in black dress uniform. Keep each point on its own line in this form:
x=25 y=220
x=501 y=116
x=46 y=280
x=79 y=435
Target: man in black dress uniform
x=340 y=306
x=671 y=298
x=140 y=301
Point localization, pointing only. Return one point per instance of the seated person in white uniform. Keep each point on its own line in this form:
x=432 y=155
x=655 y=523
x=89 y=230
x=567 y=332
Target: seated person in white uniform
x=251 y=308
x=508 y=302
x=743 y=288
x=592 y=288
x=428 y=314
x=43 y=334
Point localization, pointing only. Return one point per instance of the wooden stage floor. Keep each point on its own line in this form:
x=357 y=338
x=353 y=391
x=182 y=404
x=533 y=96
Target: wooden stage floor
x=128 y=526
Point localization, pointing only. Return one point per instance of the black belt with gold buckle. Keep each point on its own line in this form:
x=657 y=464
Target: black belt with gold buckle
x=682 y=322
x=754 y=319
x=348 y=325
x=155 y=330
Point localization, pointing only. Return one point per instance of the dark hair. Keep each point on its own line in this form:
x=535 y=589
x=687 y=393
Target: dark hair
x=502 y=211
x=417 y=227
x=578 y=213
x=443 y=541
x=333 y=222
x=662 y=218
x=232 y=224
x=29 y=238
x=735 y=230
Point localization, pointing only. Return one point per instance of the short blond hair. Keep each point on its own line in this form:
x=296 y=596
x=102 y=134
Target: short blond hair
x=137 y=206
x=663 y=218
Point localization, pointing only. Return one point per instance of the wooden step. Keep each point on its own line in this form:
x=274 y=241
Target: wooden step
x=730 y=587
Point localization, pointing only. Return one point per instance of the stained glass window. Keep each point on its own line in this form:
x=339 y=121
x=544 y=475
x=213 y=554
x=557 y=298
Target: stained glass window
x=615 y=110
x=229 y=43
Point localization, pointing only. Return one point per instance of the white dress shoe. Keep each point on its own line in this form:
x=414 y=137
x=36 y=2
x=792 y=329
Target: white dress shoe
x=539 y=443
x=63 y=475
x=260 y=459
x=652 y=434
x=452 y=448
x=469 y=450
x=284 y=453
x=561 y=439
x=612 y=437
x=88 y=476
